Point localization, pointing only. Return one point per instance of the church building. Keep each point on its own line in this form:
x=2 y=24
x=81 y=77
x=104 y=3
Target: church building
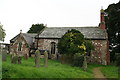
x=49 y=37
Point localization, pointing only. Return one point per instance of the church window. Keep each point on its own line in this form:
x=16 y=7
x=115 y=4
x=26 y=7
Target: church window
x=19 y=46
x=52 y=47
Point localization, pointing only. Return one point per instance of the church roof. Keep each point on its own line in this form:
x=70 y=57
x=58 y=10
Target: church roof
x=27 y=36
x=88 y=32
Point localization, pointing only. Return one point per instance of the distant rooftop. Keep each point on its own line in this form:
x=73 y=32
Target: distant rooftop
x=88 y=32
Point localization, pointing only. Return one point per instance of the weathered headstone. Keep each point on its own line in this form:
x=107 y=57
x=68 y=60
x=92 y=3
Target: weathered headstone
x=37 y=58
x=46 y=59
x=4 y=55
x=85 y=64
x=19 y=57
x=14 y=58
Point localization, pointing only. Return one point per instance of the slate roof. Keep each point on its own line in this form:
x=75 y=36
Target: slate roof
x=88 y=32
x=27 y=36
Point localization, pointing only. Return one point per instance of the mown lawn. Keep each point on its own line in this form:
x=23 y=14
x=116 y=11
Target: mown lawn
x=54 y=70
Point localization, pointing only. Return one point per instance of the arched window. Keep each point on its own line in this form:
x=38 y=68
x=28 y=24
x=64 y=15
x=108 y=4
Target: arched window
x=19 y=46
x=52 y=47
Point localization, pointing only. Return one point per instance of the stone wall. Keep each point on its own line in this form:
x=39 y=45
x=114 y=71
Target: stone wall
x=45 y=44
x=100 y=54
x=24 y=47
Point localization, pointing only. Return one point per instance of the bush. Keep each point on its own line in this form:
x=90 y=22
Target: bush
x=117 y=59
x=78 y=60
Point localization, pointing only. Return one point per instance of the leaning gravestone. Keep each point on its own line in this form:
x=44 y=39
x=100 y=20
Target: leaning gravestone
x=14 y=58
x=46 y=59
x=37 y=58
x=4 y=55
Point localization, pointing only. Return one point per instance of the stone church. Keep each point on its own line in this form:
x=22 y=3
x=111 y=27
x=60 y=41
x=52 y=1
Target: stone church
x=48 y=39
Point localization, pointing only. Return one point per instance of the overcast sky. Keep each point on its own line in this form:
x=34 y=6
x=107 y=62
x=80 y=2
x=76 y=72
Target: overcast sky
x=21 y=14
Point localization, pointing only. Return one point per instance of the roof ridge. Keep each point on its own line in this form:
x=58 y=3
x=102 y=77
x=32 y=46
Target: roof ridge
x=76 y=27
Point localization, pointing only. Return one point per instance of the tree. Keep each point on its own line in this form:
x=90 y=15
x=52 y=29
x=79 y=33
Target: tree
x=36 y=28
x=2 y=33
x=71 y=42
x=72 y=47
x=112 y=20
x=89 y=46
x=113 y=26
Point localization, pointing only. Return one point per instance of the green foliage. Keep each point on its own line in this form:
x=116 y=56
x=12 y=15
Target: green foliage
x=36 y=28
x=70 y=42
x=78 y=60
x=89 y=46
x=113 y=26
x=117 y=59
x=2 y=33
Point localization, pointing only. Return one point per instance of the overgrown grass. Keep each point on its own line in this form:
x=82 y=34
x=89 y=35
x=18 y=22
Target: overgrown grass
x=54 y=70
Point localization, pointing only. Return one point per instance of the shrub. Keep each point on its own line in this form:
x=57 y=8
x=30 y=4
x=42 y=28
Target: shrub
x=117 y=59
x=78 y=60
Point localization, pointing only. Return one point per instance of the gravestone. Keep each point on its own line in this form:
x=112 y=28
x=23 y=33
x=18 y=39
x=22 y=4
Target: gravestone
x=46 y=59
x=14 y=58
x=37 y=58
x=4 y=55
x=85 y=64
x=19 y=57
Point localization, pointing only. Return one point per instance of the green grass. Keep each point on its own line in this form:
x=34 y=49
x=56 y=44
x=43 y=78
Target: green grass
x=54 y=70
x=110 y=71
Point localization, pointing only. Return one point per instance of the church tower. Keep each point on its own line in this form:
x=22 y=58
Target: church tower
x=102 y=20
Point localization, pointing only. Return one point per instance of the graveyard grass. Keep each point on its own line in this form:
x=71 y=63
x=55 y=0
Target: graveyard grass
x=54 y=70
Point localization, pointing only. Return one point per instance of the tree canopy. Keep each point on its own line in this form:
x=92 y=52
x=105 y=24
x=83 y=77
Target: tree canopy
x=71 y=42
x=2 y=33
x=35 y=28
x=113 y=26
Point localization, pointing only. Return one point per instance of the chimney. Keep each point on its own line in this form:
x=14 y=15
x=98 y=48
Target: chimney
x=20 y=31
x=102 y=20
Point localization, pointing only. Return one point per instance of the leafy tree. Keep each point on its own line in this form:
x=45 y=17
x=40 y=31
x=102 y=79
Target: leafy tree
x=112 y=20
x=71 y=42
x=113 y=26
x=36 y=28
x=2 y=33
x=89 y=46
